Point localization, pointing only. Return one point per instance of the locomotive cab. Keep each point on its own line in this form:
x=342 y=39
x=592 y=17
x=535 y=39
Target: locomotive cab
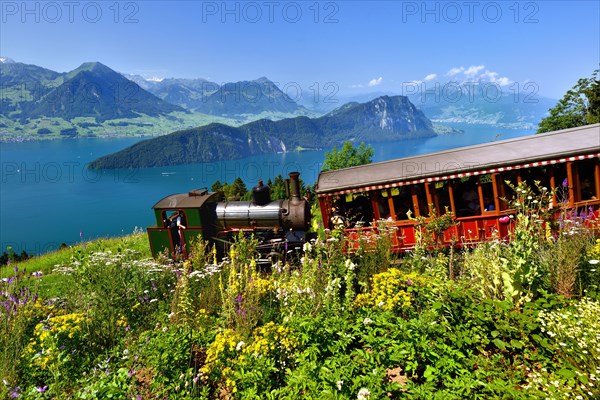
x=193 y=211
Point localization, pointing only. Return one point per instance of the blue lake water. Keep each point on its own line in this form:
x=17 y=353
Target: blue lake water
x=48 y=197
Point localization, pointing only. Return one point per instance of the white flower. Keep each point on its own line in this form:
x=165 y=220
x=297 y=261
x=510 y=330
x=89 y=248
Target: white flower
x=307 y=247
x=339 y=384
x=363 y=394
x=367 y=321
x=594 y=262
x=350 y=265
x=240 y=345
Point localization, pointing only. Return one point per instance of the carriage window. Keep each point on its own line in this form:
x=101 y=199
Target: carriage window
x=402 y=202
x=506 y=192
x=384 y=205
x=466 y=197
x=559 y=173
x=356 y=209
x=539 y=174
x=487 y=188
x=441 y=197
x=587 y=186
x=421 y=199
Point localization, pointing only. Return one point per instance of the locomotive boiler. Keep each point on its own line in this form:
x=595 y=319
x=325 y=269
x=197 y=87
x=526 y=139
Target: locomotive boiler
x=279 y=225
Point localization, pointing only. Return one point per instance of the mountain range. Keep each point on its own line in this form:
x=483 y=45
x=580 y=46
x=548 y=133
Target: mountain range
x=91 y=90
x=383 y=119
x=94 y=100
x=231 y=99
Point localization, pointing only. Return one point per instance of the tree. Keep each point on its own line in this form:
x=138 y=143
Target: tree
x=579 y=106
x=348 y=156
x=216 y=187
x=237 y=189
x=278 y=188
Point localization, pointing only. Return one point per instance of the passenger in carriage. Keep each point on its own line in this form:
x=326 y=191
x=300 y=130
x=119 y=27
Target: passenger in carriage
x=489 y=204
x=336 y=220
x=587 y=190
x=470 y=203
x=403 y=206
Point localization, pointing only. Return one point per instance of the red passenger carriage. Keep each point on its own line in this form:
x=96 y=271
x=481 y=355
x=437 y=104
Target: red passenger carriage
x=470 y=182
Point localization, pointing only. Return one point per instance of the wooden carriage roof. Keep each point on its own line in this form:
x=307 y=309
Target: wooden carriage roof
x=523 y=152
x=193 y=199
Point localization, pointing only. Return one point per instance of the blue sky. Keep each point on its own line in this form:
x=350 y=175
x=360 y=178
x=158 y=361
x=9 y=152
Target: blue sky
x=358 y=46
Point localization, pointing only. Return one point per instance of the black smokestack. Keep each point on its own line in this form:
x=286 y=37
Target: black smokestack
x=294 y=186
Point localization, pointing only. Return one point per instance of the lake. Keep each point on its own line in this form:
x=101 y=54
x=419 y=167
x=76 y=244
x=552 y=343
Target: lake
x=48 y=197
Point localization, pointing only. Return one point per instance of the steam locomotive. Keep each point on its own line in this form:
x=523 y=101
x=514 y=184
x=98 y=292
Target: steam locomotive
x=279 y=225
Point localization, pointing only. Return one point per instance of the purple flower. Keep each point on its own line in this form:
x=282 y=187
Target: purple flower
x=409 y=283
x=239 y=298
x=37 y=274
x=565 y=183
x=41 y=389
x=16 y=392
x=16 y=268
x=131 y=373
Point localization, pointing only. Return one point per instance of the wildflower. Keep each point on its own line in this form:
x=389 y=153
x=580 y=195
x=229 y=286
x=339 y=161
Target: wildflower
x=339 y=385
x=594 y=262
x=239 y=346
x=41 y=389
x=363 y=394
x=565 y=183
x=16 y=392
x=37 y=274
x=307 y=247
x=350 y=265
x=367 y=321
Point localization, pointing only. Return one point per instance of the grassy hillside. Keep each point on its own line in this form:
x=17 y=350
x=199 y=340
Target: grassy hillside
x=518 y=320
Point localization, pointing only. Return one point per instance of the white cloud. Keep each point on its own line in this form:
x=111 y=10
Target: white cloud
x=430 y=77
x=478 y=73
x=473 y=70
x=375 y=82
x=455 y=71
